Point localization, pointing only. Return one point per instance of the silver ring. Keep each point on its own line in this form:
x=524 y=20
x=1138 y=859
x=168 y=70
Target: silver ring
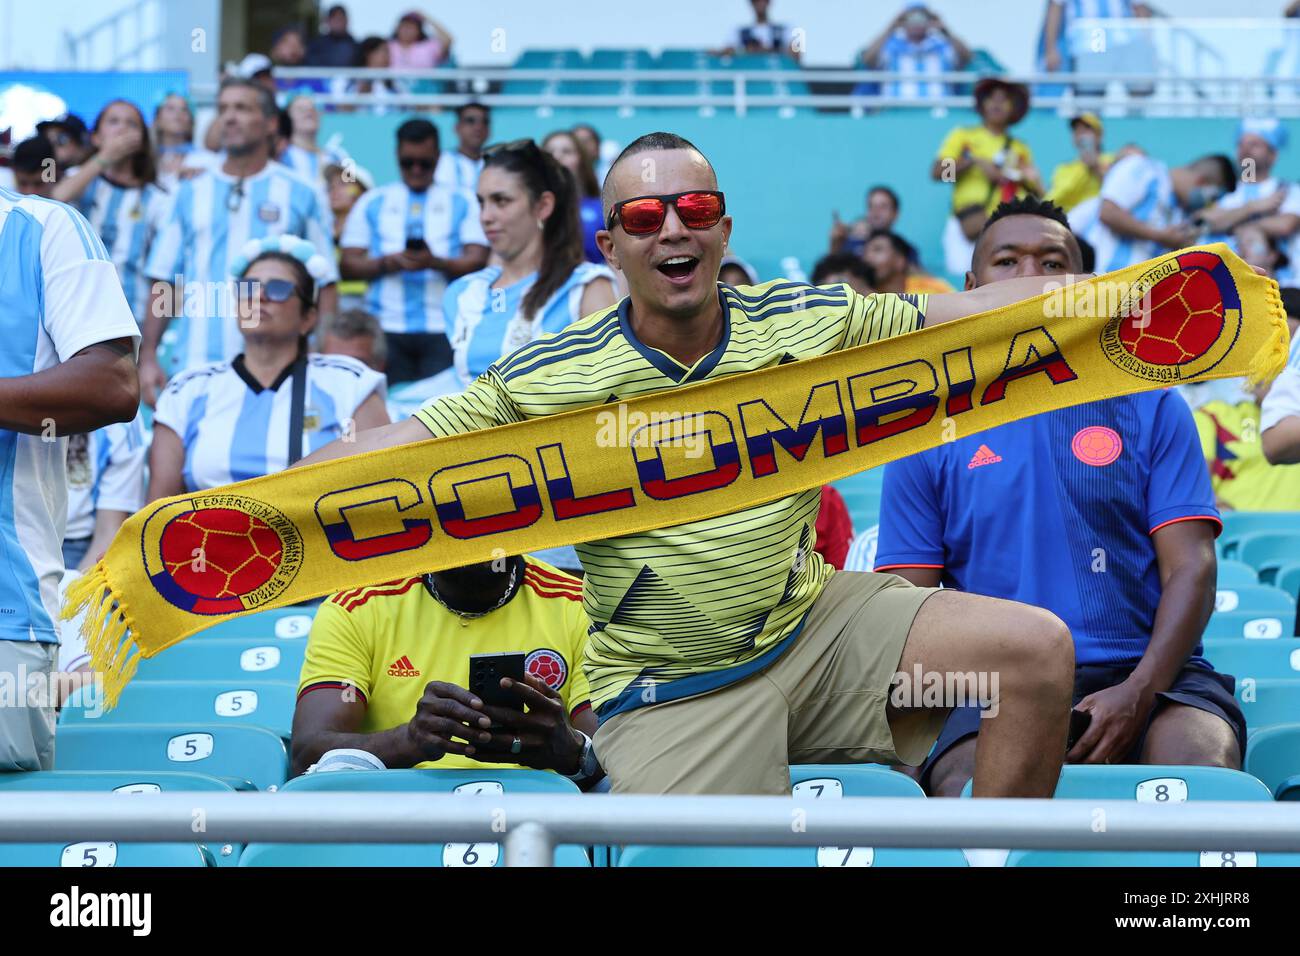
x=516 y=745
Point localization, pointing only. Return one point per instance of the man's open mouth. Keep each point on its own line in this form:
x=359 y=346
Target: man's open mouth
x=679 y=268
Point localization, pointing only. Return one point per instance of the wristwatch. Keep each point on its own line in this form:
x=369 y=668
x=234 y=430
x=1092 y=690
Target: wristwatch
x=588 y=765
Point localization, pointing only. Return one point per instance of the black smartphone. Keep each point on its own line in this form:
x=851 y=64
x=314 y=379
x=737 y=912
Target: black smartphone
x=416 y=244
x=1079 y=722
x=485 y=673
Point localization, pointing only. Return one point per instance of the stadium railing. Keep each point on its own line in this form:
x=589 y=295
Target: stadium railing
x=790 y=89
x=536 y=824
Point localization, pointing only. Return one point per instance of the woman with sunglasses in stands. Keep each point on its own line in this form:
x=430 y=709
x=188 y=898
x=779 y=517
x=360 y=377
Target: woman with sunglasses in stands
x=538 y=282
x=564 y=146
x=116 y=190
x=273 y=403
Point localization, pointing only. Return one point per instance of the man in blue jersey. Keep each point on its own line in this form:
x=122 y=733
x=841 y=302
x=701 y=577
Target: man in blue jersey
x=408 y=240
x=214 y=215
x=67 y=367
x=1102 y=513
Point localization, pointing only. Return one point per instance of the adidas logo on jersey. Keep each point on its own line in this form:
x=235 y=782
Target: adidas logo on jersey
x=402 y=667
x=984 y=456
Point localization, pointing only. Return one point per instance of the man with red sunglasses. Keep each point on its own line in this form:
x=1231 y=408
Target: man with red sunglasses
x=723 y=650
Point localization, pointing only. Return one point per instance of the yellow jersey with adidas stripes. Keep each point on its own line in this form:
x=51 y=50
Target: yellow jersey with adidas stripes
x=683 y=610
x=388 y=641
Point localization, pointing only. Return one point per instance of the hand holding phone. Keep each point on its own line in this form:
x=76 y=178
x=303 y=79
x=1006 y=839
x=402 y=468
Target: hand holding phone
x=485 y=673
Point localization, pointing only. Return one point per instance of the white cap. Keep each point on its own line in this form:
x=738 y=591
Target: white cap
x=252 y=65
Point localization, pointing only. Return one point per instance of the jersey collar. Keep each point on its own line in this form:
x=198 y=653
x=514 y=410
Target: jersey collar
x=237 y=363
x=664 y=362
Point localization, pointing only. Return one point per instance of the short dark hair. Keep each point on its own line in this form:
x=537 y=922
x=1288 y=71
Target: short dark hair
x=417 y=131
x=336 y=8
x=893 y=196
x=841 y=262
x=644 y=144
x=1028 y=206
x=1224 y=169
x=264 y=97
x=460 y=110
x=901 y=245
x=31 y=155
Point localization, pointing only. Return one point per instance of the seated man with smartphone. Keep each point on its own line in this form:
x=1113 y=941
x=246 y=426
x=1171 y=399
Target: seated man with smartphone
x=472 y=666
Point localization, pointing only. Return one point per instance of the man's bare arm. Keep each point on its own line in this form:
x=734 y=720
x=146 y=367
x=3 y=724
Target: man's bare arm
x=1282 y=442
x=96 y=387
x=957 y=305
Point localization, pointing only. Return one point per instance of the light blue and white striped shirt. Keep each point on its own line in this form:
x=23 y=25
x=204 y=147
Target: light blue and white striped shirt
x=1261 y=189
x=59 y=294
x=381 y=222
x=311 y=165
x=934 y=54
x=127 y=219
x=458 y=171
x=212 y=217
x=105 y=470
x=486 y=324
x=232 y=428
x=1141 y=186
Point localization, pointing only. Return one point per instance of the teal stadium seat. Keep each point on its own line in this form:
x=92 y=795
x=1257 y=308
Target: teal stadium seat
x=253 y=703
x=1235 y=574
x=1287 y=578
x=1249 y=625
x=485 y=783
x=1254 y=598
x=1237 y=524
x=1149 y=784
x=607 y=59
x=245 y=757
x=281 y=624
x=226 y=659
x=688 y=60
x=1273 y=755
x=1255 y=659
x=104 y=855
x=811 y=782
x=125 y=782
x=557 y=61
x=1262 y=548
x=770 y=63
x=1269 y=702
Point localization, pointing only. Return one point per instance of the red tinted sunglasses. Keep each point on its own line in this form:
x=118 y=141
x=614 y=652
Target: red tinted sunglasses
x=644 y=216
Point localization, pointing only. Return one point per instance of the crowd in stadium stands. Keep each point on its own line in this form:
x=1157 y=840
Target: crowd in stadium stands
x=278 y=292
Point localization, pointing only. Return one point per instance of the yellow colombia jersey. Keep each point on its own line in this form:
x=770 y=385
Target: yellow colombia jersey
x=1242 y=477
x=390 y=640
x=972 y=187
x=682 y=610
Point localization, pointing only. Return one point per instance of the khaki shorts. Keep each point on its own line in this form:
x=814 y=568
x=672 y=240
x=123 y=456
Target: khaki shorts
x=823 y=701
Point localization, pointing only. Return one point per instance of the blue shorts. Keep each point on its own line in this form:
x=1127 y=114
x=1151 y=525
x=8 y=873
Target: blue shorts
x=1198 y=687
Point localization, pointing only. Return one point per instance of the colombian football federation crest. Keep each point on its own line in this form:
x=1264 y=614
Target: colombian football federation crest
x=1179 y=320
x=549 y=665
x=220 y=554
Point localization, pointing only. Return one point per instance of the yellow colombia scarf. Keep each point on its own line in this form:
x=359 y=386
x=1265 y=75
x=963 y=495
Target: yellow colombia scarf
x=184 y=563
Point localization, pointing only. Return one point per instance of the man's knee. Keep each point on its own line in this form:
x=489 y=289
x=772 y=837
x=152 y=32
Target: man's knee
x=1041 y=652
x=1181 y=735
